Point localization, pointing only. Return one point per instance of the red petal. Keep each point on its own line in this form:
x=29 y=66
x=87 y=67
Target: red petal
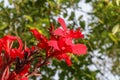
x=68 y=41
x=25 y=70
x=54 y=44
x=76 y=34
x=25 y=78
x=16 y=53
x=59 y=32
x=65 y=57
x=38 y=35
x=42 y=45
x=5 y=74
x=61 y=43
x=33 y=48
x=79 y=49
x=10 y=37
x=7 y=45
x=6 y=41
x=62 y=22
x=20 y=44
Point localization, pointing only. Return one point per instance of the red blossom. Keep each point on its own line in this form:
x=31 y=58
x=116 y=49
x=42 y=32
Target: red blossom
x=65 y=43
x=9 y=55
x=7 y=42
x=61 y=42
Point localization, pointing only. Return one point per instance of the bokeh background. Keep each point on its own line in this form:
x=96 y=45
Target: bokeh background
x=99 y=21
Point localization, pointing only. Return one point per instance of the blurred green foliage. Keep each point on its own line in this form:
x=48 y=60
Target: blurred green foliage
x=20 y=15
x=107 y=29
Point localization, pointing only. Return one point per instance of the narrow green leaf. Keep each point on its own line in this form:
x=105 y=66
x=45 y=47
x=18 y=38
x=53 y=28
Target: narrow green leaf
x=115 y=29
x=113 y=38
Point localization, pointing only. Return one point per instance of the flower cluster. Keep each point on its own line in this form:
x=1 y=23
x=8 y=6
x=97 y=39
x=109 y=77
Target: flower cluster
x=10 y=56
x=15 y=62
x=61 y=42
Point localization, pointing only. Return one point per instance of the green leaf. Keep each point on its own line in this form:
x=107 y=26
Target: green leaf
x=115 y=29
x=29 y=18
x=113 y=38
x=3 y=26
x=82 y=24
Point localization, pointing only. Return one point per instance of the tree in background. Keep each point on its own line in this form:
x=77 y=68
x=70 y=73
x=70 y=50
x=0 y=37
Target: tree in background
x=21 y=15
x=106 y=29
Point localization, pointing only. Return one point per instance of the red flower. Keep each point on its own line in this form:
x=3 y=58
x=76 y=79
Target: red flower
x=61 y=42
x=64 y=44
x=7 y=42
